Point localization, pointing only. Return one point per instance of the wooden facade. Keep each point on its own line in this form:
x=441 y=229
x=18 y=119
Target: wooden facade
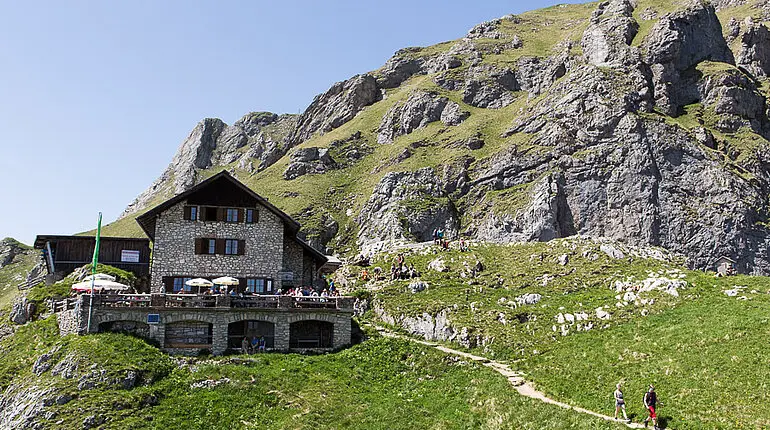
x=67 y=253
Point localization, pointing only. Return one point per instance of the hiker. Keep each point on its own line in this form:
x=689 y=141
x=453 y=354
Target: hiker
x=463 y=246
x=435 y=236
x=440 y=235
x=364 y=275
x=620 y=403
x=650 y=403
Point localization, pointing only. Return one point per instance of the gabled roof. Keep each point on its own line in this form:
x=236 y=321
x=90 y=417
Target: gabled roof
x=724 y=257
x=147 y=219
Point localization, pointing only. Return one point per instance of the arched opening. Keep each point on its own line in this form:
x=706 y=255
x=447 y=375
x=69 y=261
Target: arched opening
x=251 y=330
x=135 y=328
x=311 y=334
x=188 y=334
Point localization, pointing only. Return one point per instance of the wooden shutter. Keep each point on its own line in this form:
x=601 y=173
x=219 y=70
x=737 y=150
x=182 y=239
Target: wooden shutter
x=220 y=246
x=241 y=247
x=221 y=214
x=256 y=215
x=202 y=214
x=199 y=246
x=168 y=284
x=241 y=217
x=188 y=212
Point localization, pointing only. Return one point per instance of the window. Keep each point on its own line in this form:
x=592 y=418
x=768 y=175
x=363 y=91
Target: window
x=191 y=213
x=209 y=213
x=179 y=284
x=232 y=215
x=259 y=285
x=231 y=247
x=212 y=246
x=251 y=216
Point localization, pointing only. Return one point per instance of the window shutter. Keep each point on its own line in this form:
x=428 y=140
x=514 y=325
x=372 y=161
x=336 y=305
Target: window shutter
x=256 y=215
x=221 y=214
x=202 y=214
x=220 y=246
x=241 y=217
x=241 y=247
x=188 y=213
x=199 y=246
x=168 y=284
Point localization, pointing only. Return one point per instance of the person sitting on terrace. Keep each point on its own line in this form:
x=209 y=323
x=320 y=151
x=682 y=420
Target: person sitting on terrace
x=261 y=344
x=232 y=293
x=245 y=345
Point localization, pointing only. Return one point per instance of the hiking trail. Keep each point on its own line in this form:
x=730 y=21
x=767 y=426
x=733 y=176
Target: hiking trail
x=522 y=386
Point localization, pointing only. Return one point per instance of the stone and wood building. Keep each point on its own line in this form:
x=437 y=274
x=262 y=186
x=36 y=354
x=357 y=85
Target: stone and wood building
x=218 y=228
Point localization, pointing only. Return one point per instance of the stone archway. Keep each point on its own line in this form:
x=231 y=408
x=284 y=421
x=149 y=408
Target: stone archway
x=250 y=329
x=311 y=334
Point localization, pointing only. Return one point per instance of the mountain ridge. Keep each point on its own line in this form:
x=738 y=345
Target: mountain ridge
x=639 y=121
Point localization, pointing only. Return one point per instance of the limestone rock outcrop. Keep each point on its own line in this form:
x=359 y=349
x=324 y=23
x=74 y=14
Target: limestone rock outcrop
x=419 y=110
x=309 y=161
x=407 y=206
x=338 y=105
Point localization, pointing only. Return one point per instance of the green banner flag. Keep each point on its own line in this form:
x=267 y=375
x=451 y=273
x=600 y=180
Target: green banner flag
x=96 y=248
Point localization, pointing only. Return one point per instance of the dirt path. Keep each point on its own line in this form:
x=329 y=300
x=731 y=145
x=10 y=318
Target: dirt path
x=515 y=378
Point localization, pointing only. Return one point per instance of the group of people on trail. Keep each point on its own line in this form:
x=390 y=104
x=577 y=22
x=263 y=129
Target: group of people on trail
x=400 y=270
x=254 y=345
x=443 y=242
x=650 y=401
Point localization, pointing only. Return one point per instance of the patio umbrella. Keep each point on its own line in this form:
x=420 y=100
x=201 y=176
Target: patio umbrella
x=226 y=280
x=199 y=282
x=100 y=276
x=99 y=285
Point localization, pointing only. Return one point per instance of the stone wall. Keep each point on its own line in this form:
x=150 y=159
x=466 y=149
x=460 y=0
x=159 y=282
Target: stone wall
x=174 y=247
x=170 y=319
x=293 y=259
x=74 y=321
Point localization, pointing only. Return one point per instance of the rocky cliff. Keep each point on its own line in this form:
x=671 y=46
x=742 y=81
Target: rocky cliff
x=640 y=121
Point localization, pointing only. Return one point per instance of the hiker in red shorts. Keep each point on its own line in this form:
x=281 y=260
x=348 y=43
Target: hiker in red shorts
x=650 y=402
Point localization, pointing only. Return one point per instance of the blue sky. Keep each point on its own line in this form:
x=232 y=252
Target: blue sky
x=95 y=96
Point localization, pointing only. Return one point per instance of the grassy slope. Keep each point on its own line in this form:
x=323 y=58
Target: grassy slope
x=705 y=351
x=380 y=384
x=15 y=273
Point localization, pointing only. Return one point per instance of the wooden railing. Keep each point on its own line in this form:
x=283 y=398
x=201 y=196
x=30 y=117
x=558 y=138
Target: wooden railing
x=156 y=301
x=270 y=302
x=62 y=305
x=190 y=301
x=26 y=285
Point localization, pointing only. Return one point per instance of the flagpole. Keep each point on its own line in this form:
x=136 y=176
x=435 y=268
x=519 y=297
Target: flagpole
x=94 y=262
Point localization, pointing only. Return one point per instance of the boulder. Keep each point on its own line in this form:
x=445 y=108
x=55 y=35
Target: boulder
x=438 y=265
x=19 y=311
x=309 y=161
x=417 y=286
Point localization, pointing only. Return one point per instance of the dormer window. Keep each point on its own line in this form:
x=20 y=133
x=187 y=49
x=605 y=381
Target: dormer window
x=232 y=215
